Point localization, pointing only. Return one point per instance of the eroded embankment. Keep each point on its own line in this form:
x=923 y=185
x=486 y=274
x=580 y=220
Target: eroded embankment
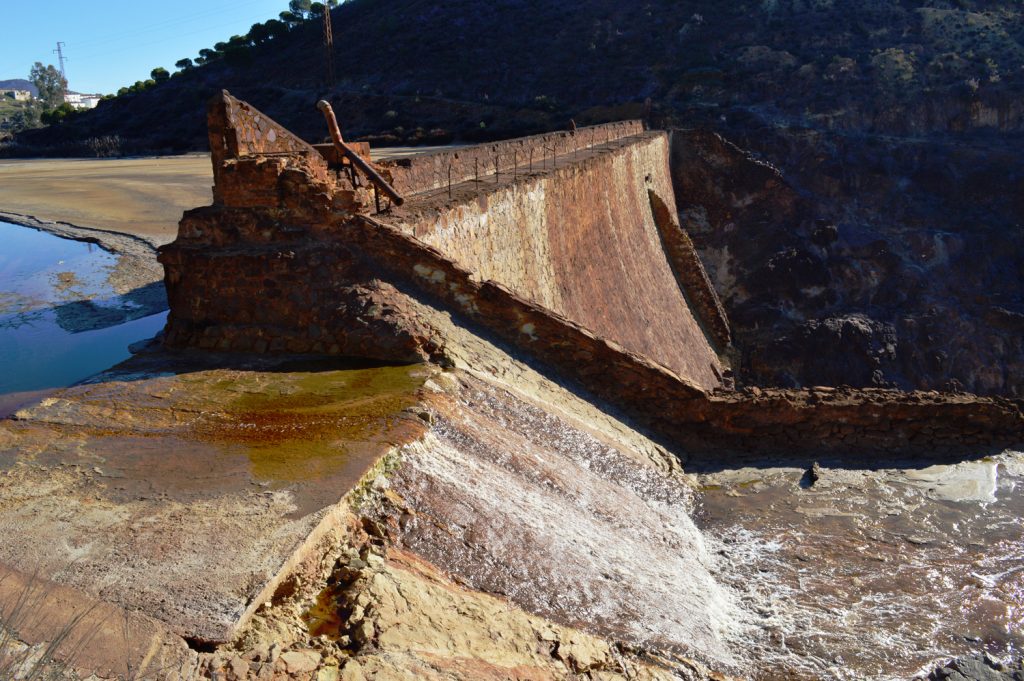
x=532 y=510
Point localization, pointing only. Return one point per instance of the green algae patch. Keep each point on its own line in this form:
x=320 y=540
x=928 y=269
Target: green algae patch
x=302 y=426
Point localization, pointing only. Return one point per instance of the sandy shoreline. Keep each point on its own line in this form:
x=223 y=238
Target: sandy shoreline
x=143 y=197
x=121 y=243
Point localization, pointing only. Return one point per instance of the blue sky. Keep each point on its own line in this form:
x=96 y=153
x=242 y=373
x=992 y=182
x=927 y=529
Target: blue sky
x=117 y=42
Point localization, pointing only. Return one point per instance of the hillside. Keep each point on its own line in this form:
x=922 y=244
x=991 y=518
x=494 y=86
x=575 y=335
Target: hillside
x=18 y=84
x=426 y=71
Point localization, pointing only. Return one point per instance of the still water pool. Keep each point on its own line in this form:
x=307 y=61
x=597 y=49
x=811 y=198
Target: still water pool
x=61 y=319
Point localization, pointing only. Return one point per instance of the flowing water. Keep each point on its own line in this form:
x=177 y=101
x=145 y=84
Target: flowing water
x=872 y=573
x=61 y=318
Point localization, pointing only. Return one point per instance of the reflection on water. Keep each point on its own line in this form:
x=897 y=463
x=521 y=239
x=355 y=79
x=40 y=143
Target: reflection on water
x=873 y=574
x=60 y=319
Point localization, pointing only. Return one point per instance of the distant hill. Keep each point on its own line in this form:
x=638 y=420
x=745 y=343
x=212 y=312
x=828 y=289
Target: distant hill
x=18 y=84
x=428 y=72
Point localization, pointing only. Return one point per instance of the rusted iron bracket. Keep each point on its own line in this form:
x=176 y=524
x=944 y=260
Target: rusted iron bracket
x=355 y=159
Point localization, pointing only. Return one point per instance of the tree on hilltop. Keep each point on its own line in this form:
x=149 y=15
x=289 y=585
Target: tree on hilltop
x=206 y=56
x=51 y=84
x=317 y=8
x=300 y=8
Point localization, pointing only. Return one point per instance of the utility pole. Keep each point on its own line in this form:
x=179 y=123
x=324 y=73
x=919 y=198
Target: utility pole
x=60 y=58
x=328 y=44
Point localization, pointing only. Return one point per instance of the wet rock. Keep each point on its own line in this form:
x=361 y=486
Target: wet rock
x=541 y=464
x=353 y=671
x=825 y=235
x=811 y=475
x=836 y=350
x=261 y=653
x=238 y=668
x=328 y=674
x=364 y=632
x=582 y=654
x=979 y=668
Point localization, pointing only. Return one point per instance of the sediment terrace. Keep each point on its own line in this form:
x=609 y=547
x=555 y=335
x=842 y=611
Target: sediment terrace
x=547 y=351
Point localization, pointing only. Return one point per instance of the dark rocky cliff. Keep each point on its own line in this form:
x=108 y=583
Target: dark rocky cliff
x=862 y=260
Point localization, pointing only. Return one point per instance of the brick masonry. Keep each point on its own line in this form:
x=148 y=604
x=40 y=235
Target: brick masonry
x=581 y=240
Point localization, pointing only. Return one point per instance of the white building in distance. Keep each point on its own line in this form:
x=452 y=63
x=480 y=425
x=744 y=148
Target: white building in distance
x=81 y=101
x=17 y=95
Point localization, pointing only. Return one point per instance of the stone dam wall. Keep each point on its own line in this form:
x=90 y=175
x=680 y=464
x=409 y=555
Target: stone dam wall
x=582 y=241
x=581 y=267
x=270 y=267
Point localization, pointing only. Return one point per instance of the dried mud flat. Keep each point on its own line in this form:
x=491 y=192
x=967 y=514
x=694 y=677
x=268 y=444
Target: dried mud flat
x=144 y=197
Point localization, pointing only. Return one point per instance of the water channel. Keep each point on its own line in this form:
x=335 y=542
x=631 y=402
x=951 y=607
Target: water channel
x=62 y=316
